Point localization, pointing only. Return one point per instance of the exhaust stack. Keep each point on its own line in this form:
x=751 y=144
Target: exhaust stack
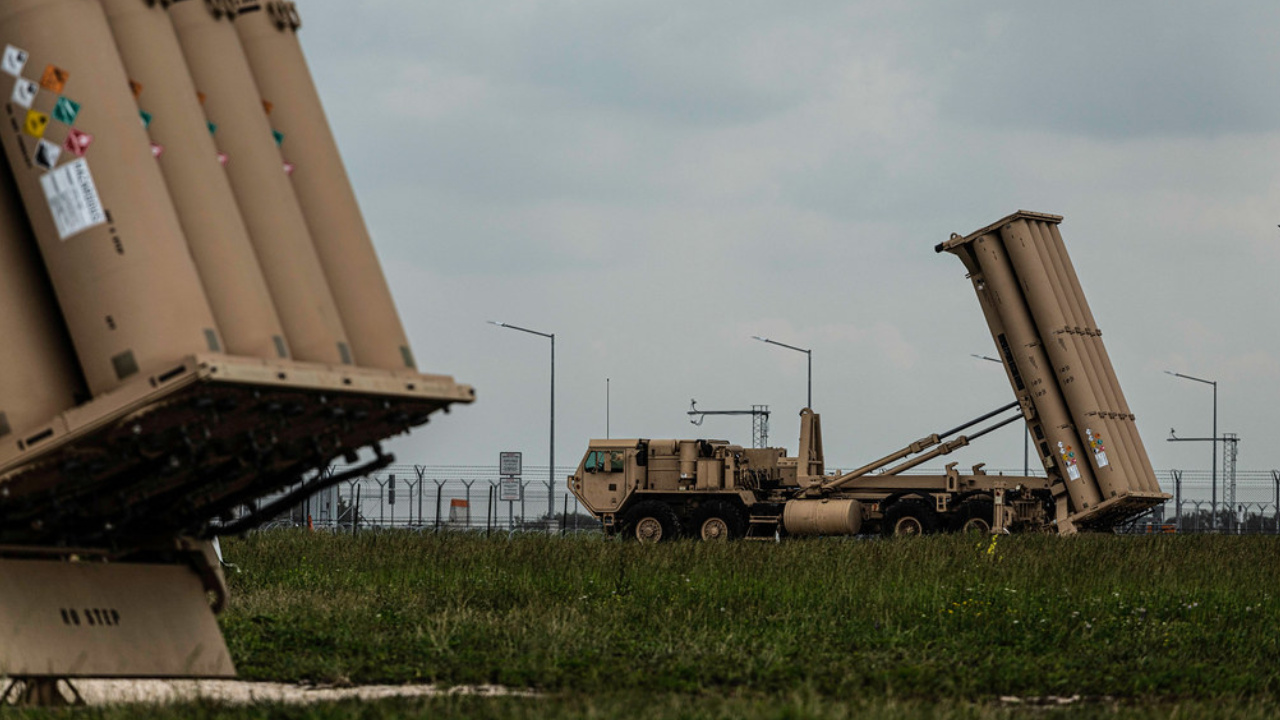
x=1060 y=372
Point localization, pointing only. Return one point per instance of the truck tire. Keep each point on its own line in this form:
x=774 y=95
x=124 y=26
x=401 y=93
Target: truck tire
x=652 y=521
x=720 y=521
x=909 y=517
x=975 y=516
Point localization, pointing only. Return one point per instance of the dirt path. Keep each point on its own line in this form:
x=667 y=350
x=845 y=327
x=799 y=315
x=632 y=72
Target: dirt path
x=239 y=692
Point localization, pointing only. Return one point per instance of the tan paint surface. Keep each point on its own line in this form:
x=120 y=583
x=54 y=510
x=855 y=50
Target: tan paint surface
x=263 y=192
x=207 y=208
x=39 y=376
x=107 y=620
x=324 y=191
x=1033 y=364
x=128 y=287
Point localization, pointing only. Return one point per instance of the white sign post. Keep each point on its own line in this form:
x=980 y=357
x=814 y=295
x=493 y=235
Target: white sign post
x=509 y=489
x=509 y=485
x=509 y=464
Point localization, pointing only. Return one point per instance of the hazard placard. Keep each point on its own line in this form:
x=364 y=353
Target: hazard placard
x=54 y=78
x=36 y=123
x=78 y=142
x=66 y=110
x=47 y=154
x=14 y=60
x=24 y=93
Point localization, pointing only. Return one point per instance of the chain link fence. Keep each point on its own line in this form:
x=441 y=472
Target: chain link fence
x=444 y=497
x=473 y=497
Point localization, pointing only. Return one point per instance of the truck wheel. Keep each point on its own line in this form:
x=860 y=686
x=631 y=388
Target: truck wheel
x=974 y=516
x=653 y=521
x=721 y=521
x=909 y=517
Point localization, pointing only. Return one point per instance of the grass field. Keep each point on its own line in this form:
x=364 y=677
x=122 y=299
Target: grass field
x=928 y=627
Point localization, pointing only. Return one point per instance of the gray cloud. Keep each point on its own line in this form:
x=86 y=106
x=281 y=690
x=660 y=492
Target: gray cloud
x=655 y=182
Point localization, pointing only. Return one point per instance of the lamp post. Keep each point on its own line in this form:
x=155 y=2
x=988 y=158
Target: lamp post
x=1213 y=498
x=809 y=353
x=1026 y=445
x=551 y=452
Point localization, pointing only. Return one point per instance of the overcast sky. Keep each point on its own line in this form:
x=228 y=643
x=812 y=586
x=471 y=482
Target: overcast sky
x=655 y=182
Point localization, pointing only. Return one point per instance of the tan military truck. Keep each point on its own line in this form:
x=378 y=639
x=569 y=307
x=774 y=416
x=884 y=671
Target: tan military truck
x=1097 y=473
x=656 y=490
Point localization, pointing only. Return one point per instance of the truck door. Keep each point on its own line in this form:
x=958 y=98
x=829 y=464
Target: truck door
x=604 y=482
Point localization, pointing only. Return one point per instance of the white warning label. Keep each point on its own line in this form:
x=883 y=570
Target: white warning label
x=14 y=60
x=24 y=93
x=73 y=198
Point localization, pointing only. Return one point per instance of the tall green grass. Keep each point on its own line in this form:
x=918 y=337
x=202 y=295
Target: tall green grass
x=791 y=706
x=930 y=618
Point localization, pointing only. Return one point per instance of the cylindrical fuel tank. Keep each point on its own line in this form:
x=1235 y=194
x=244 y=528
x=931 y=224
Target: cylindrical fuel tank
x=98 y=205
x=239 y=125
x=215 y=231
x=268 y=32
x=39 y=377
x=822 y=517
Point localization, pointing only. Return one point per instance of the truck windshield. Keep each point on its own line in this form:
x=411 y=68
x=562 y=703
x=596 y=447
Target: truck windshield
x=603 y=461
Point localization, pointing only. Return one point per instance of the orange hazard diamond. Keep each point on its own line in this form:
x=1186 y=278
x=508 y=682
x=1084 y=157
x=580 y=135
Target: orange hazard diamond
x=54 y=78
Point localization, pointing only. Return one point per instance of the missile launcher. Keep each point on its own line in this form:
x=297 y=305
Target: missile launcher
x=171 y=351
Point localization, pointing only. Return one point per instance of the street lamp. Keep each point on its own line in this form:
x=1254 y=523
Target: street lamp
x=551 y=460
x=1213 y=498
x=1026 y=445
x=809 y=353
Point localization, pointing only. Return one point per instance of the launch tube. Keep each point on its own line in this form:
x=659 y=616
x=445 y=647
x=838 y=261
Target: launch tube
x=98 y=205
x=1106 y=439
x=268 y=32
x=1068 y=367
x=1149 y=481
x=1033 y=364
x=277 y=228
x=188 y=158
x=39 y=377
